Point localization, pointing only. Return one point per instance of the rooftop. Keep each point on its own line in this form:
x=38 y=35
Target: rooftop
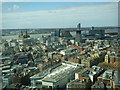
x=84 y=72
x=90 y=71
x=98 y=84
x=108 y=75
x=60 y=72
x=96 y=70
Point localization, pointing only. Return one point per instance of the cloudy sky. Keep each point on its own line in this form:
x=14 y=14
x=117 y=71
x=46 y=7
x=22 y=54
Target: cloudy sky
x=58 y=14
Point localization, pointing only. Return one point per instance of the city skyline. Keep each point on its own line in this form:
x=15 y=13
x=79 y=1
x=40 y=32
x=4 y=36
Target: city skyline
x=59 y=45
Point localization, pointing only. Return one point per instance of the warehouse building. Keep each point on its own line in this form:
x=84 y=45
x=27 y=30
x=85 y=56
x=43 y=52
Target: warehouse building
x=61 y=75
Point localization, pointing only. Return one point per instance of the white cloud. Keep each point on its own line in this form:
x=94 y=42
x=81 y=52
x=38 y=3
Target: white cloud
x=14 y=8
x=91 y=15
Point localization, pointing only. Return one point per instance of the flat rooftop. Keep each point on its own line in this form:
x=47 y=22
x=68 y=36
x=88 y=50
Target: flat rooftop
x=60 y=72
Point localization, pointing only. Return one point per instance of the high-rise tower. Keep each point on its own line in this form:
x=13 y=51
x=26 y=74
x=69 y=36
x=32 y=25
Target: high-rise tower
x=78 y=33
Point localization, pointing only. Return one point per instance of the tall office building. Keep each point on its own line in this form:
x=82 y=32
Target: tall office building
x=78 y=33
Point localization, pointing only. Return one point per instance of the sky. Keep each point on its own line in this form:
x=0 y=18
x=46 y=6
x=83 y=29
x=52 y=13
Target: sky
x=34 y=6
x=16 y=15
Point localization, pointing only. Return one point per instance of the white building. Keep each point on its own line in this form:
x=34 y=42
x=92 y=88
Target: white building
x=57 y=76
x=61 y=75
x=67 y=51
